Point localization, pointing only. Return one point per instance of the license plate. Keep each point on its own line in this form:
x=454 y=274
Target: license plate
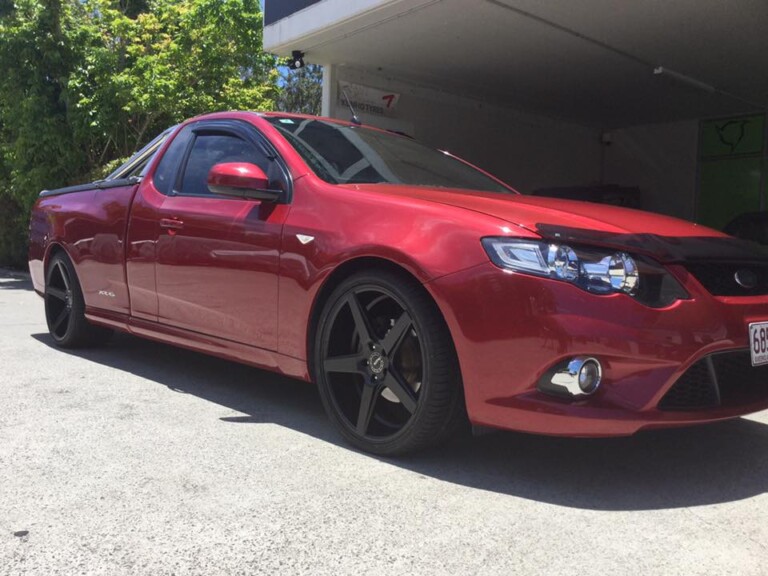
x=758 y=343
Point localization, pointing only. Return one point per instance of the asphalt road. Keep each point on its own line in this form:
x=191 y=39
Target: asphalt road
x=139 y=458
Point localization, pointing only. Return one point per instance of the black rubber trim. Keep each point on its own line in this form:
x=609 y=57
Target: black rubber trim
x=98 y=185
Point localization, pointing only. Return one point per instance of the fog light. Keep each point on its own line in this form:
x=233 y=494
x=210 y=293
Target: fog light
x=589 y=376
x=581 y=377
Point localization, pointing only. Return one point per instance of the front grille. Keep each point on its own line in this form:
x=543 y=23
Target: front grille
x=720 y=278
x=723 y=379
x=696 y=388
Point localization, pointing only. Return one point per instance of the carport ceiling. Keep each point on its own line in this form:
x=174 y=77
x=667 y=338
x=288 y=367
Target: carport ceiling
x=589 y=61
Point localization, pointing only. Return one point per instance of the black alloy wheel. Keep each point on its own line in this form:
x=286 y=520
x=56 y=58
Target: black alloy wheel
x=65 y=307
x=385 y=365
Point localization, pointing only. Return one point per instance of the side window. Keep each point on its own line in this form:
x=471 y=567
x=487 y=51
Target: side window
x=211 y=149
x=166 y=171
x=137 y=164
x=140 y=168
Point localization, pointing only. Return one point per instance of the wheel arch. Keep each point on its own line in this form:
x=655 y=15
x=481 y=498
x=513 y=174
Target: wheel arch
x=51 y=251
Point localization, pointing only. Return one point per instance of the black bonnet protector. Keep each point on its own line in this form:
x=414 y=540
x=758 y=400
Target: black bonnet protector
x=665 y=249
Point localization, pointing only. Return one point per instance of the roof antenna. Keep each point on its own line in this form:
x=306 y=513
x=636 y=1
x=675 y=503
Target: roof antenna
x=355 y=119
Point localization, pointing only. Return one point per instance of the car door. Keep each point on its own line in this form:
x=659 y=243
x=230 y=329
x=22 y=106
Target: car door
x=217 y=258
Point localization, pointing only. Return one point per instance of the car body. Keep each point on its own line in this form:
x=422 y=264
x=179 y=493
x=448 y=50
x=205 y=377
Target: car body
x=363 y=261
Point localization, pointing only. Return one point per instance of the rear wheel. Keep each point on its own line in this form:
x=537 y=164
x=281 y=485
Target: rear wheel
x=385 y=365
x=65 y=307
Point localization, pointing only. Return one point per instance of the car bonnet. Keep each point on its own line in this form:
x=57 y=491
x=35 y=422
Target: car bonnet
x=665 y=238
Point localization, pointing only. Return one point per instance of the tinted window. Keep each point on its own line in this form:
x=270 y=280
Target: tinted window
x=343 y=154
x=165 y=174
x=211 y=149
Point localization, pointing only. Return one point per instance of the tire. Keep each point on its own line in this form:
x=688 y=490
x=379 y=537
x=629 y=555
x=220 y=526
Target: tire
x=65 y=307
x=385 y=365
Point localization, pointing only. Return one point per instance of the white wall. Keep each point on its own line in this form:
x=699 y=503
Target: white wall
x=661 y=159
x=530 y=151
x=527 y=151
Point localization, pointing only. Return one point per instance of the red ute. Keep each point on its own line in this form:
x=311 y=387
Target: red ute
x=413 y=288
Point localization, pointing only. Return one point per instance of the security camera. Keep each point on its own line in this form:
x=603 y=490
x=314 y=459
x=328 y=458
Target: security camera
x=297 y=60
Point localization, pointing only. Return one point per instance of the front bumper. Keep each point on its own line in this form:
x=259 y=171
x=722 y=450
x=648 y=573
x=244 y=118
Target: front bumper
x=509 y=329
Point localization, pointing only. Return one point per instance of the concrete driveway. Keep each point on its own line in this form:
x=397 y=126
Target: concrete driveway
x=139 y=458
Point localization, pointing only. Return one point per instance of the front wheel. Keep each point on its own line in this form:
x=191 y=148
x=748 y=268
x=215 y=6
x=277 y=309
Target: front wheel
x=65 y=307
x=385 y=365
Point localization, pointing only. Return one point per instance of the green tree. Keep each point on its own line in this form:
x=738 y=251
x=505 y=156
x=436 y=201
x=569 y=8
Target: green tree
x=86 y=82
x=36 y=145
x=301 y=90
x=180 y=59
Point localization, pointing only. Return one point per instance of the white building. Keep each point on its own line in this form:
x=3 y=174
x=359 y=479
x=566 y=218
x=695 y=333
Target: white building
x=668 y=96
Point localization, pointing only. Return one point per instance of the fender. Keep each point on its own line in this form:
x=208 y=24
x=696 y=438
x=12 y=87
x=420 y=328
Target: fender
x=426 y=239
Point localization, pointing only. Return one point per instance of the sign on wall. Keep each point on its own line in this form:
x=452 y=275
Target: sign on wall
x=732 y=173
x=367 y=99
x=732 y=136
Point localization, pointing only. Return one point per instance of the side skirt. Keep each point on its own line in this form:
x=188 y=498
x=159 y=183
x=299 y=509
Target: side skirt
x=227 y=349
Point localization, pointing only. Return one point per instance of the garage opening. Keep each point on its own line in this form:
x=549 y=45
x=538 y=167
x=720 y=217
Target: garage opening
x=659 y=106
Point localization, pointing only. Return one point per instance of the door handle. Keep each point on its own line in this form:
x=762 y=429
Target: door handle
x=171 y=224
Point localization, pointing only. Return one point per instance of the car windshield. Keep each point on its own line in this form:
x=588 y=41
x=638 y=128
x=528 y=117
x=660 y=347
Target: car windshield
x=344 y=154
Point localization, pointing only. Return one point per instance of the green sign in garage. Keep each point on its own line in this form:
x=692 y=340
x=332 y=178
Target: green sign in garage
x=733 y=169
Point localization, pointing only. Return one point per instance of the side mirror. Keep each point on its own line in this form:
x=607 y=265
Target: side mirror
x=241 y=180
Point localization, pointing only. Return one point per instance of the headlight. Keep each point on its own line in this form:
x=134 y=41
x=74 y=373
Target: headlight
x=595 y=270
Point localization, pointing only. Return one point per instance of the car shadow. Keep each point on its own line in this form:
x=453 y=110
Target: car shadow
x=652 y=470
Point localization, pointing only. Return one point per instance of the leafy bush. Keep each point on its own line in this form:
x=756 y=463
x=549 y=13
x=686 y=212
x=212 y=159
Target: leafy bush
x=86 y=82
